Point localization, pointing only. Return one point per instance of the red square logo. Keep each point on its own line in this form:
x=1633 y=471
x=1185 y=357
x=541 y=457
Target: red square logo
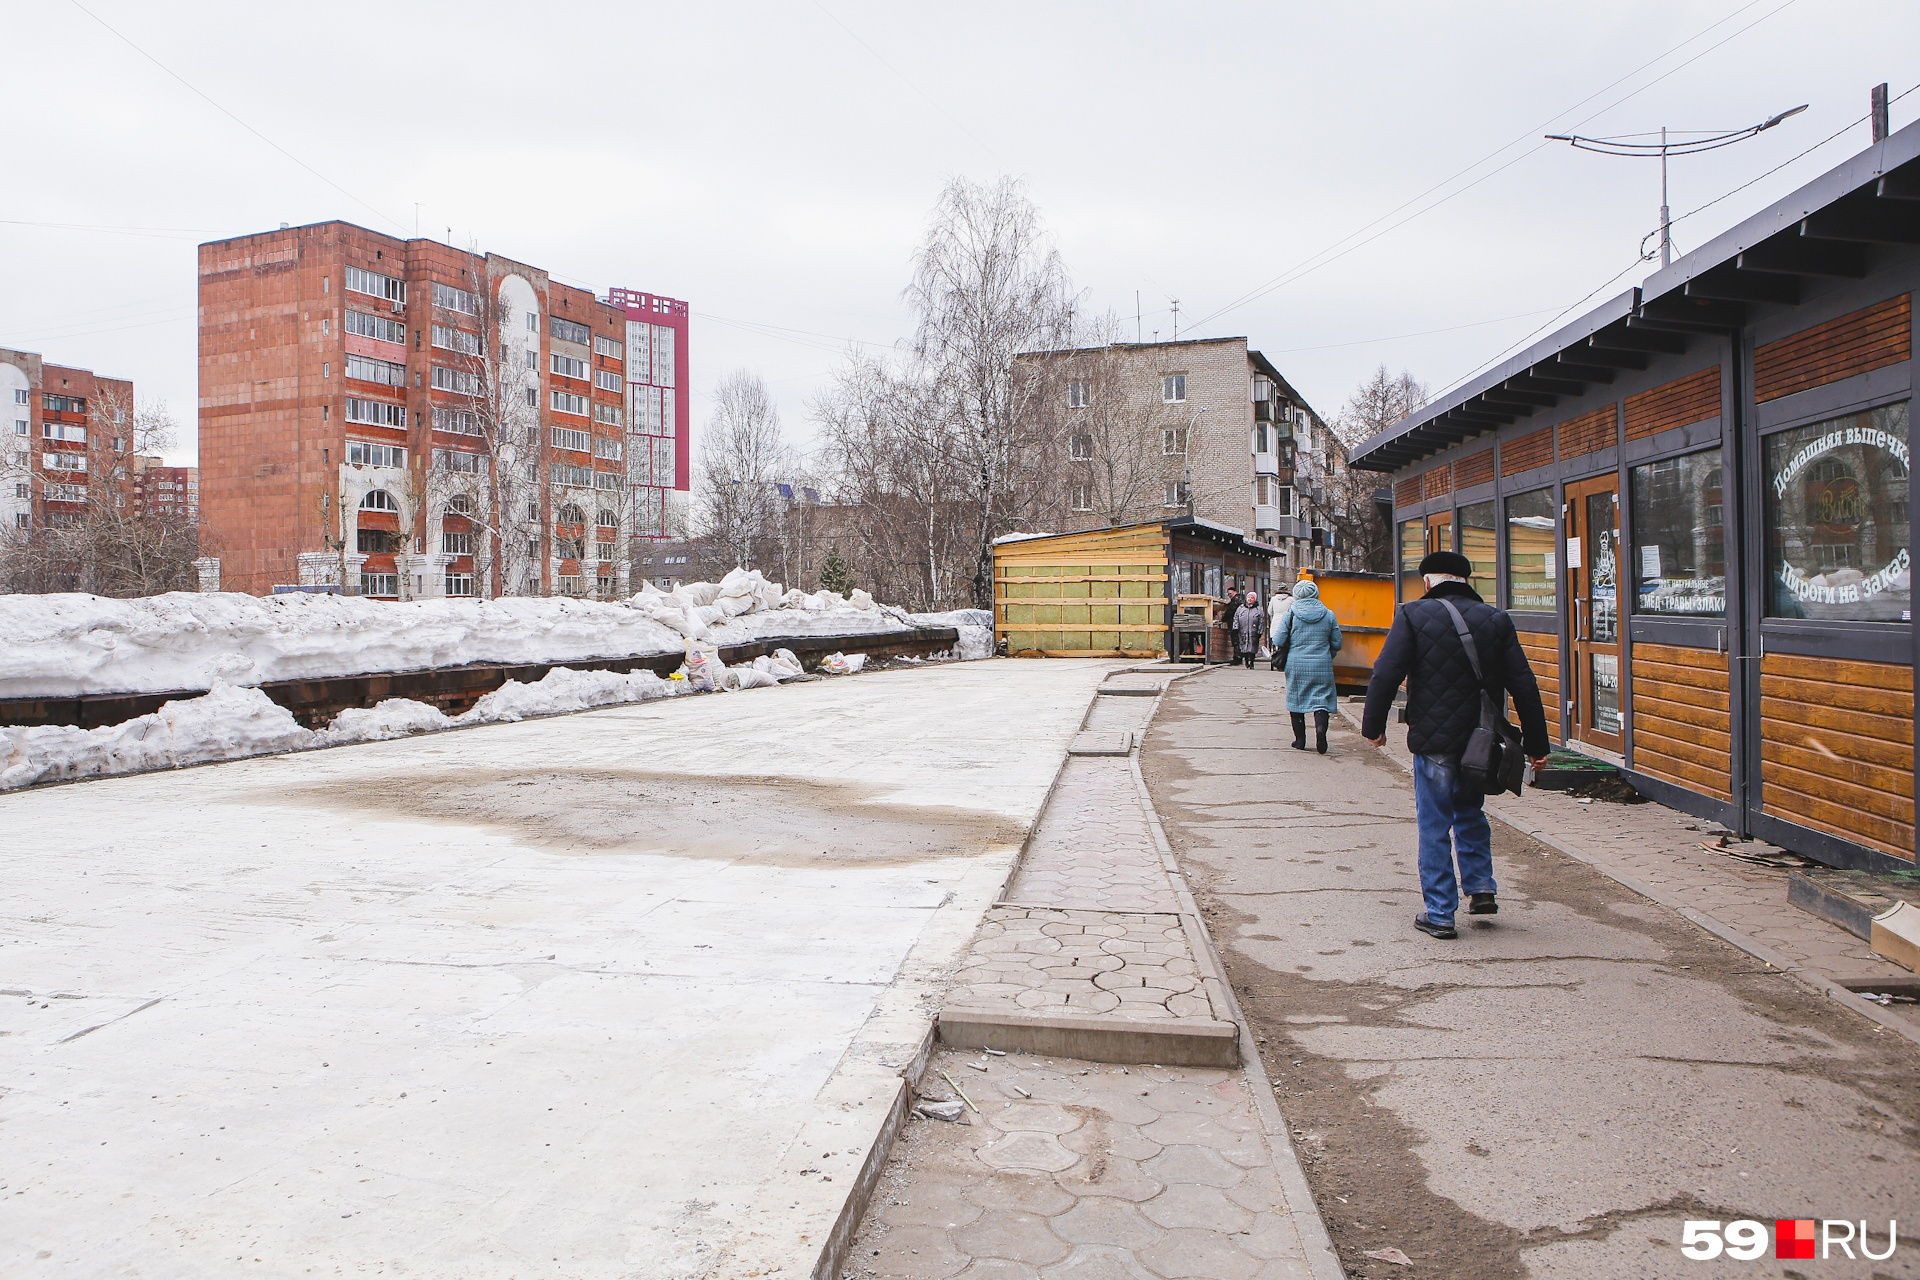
x=1793 y=1237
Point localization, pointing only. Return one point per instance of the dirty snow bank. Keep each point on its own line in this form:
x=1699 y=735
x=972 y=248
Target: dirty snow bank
x=975 y=627
x=65 y=645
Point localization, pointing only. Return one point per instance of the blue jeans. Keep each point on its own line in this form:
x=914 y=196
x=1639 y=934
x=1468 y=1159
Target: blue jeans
x=1452 y=821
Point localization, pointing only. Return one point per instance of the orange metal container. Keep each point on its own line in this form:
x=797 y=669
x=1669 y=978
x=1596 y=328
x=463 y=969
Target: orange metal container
x=1364 y=604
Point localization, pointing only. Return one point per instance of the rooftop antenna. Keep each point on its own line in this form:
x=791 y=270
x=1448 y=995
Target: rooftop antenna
x=1136 y=315
x=1176 y=319
x=1694 y=143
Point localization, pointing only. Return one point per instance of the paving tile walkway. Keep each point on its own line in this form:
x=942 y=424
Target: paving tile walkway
x=1085 y=1171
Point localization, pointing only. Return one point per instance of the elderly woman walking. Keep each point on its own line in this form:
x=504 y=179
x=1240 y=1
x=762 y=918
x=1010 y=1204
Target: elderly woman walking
x=1249 y=624
x=1310 y=634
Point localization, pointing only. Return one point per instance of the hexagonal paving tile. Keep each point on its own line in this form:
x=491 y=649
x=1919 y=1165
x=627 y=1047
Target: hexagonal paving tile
x=1187 y=1205
x=1009 y=1234
x=1193 y=1164
x=1199 y=1255
x=1102 y=1220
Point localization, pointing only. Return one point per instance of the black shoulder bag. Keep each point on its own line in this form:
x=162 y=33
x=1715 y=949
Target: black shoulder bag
x=1282 y=647
x=1495 y=760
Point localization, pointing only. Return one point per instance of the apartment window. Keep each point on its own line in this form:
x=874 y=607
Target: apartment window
x=23 y=490
x=1173 y=441
x=1080 y=447
x=1176 y=494
x=533 y=511
x=456 y=544
x=451 y=299
x=603 y=550
x=376 y=413
x=379 y=584
x=612 y=348
x=63 y=431
x=606 y=481
x=360 y=280
x=662 y=356
x=461 y=422
x=460 y=504
x=533 y=322
x=606 y=519
x=1262 y=389
x=63 y=404
x=609 y=414
x=568 y=438
x=566 y=476
x=571 y=514
x=66 y=492
x=458 y=462
x=377 y=499
x=457 y=380
x=1082 y=497
x=533 y=393
x=367 y=369
x=364 y=453
x=1173 y=388
x=608 y=379
x=20 y=395
x=367 y=325
x=567 y=402
x=20 y=426
x=378 y=542
x=568 y=331
x=1079 y=394
x=64 y=461
x=448 y=338
x=1263 y=487
x=1262 y=438
x=568 y=367
x=459 y=584
x=21 y=520
x=1283 y=499
x=611 y=450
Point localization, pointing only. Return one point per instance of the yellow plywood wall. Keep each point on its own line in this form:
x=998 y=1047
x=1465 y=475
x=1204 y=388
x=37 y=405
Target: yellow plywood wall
x=1083 y=594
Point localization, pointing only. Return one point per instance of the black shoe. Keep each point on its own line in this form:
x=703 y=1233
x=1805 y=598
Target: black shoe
x=1484 y=904
x=1299 y=744
x=1320 y=742
x=1433 y=930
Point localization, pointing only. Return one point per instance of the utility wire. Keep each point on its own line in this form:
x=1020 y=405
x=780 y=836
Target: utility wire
x=1313 y=263
x=231 y=116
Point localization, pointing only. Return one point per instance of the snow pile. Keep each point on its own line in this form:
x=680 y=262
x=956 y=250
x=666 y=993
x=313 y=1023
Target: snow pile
x=64 y=645
x=227 y=723
x=974 y=625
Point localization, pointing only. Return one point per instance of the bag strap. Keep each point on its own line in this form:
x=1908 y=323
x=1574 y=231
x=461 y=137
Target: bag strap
x=1466 y=641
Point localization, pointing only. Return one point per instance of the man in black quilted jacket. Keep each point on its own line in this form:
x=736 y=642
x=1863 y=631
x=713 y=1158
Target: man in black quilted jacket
x=1443 y=709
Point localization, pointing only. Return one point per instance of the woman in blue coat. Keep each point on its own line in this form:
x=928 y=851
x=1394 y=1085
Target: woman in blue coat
x=1311 y=635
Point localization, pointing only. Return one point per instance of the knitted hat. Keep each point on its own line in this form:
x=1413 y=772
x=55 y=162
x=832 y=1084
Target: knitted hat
x=1451 y=563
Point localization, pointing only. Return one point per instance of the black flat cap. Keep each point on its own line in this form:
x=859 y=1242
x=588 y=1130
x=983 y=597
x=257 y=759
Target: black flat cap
x=1448 y=562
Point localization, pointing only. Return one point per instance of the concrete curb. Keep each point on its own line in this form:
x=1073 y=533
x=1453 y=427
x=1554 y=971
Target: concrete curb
x=1809 y=978
x=1182 y=1042
x=1323 y=1260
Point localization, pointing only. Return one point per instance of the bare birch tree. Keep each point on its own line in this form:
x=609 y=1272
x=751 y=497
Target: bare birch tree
x=743 y=456
x=1352 y=506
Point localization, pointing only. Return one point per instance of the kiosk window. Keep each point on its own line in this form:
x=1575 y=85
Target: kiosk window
x=1836 y=519
x=1477 y=539
x=1413 y=549
x=1679 y=561
x=1532 y=565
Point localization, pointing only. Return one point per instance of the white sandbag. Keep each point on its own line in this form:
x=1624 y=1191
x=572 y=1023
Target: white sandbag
x=843 y=664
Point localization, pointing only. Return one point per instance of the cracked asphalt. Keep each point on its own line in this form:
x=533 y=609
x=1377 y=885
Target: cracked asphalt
x=1552 y=1094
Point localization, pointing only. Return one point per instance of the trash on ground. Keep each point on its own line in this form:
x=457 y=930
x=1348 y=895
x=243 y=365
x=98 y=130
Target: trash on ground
x=1389 y=1255
x=952 y=1110
x=843 y=664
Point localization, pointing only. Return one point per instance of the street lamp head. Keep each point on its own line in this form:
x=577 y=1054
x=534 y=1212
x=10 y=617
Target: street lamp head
x=1774 y=120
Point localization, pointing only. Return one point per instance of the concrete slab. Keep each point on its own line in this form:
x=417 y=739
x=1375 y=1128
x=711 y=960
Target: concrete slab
x=622 y=993
x=1101 y=743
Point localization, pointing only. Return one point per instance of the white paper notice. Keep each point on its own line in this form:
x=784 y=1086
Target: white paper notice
x=1573 y=552
x=1650 y=562
x=1547 y=566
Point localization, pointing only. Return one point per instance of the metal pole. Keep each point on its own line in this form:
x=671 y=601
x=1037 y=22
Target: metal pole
x=1666 y=224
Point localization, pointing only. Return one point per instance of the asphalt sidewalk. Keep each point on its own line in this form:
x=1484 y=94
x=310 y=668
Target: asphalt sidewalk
x=1556 y=1091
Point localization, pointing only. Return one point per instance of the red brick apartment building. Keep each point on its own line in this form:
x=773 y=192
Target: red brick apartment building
x=403 y=419
x=61 y=427
x=165 y=491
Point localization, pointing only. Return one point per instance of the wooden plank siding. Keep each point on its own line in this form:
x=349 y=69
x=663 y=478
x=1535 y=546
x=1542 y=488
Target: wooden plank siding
x=1437 y=483
x=1097 y=593
x=1543 y=655
x=1590 y=432
x=1681 y=728
x=1679 y=403
x=1407 y=492
x=1859 y=342
x=1524 y=453
x=1836 y=748
x=1477 y=469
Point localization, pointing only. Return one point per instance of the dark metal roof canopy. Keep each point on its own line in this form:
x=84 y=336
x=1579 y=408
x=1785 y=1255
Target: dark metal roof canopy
x=1827 y=228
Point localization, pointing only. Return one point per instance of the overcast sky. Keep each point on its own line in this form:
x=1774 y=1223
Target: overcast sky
x=774 y=164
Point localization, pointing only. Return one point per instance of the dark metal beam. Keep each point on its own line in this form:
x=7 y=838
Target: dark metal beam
x=1721 y=317
x=1486 y=415
x=1530 y=400
x=1562 y=385
x=1902 y=184
x=1631 y=339
x=1804 y=257
x=1745 y=286
x=1592 y=358
x=1883 y=223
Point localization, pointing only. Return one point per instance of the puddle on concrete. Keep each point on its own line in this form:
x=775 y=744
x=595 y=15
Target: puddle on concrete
x=780 y=822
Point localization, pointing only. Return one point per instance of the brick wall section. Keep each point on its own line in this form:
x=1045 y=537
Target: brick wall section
x=1436 y=483
x=1860 y=342
x=1524 y=453
x=1477 y=469
x=1590 y=432
x=1679 y=403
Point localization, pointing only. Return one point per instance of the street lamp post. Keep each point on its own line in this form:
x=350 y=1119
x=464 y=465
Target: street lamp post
x=1697 y=142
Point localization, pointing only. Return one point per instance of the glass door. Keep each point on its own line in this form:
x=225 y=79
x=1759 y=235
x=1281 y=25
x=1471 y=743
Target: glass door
x=1593 y=604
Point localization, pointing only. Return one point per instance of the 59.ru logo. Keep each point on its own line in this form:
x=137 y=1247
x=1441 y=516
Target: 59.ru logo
x=1745 y=1240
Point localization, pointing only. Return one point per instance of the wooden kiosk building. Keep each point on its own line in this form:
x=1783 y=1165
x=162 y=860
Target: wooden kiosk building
x=1695 y=502
x=1147 y=590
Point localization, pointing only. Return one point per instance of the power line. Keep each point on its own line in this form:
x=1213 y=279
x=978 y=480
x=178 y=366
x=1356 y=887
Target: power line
x=1395 y=337
x=1309 y=265
x=231 y=116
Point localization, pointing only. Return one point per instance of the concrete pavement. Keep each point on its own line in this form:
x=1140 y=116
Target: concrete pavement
x=625 y=993
x=1553 y=1093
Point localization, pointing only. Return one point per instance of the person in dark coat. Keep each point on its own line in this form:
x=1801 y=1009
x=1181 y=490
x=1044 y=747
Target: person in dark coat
x=1311 y=636
x=1248 y=626
x=1229 y=614
x=1443 y=709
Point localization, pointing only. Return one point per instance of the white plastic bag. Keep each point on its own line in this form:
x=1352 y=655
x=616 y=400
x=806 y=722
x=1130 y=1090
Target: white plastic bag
x=703 y=668
x=843 y=664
